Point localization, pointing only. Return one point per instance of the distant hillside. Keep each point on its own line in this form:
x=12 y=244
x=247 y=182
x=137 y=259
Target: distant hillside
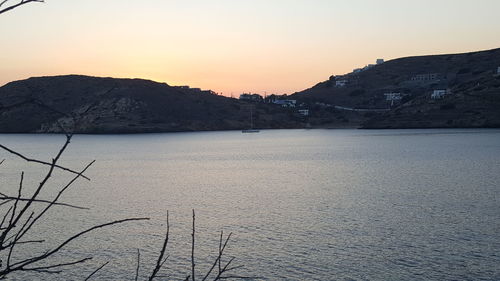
x=472 y=96
x=442 y=91
x=106 y=105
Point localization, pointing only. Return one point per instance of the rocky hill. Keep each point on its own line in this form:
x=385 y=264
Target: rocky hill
x=460 y=90
x=457 y=90
x=86 y=104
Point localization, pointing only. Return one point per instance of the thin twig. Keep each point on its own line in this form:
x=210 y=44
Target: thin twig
x=21 y=264
x=192 y=250
x=138 y=264
x=17 y=199
x=217 y=260
x=55 y=199
x=224 y=269
x=57 y=265
x=39 y=161
x=220 y=250
x=9 y=198
x=35 y=194
x=95 y=271
x=160 y=261
x=16 y=5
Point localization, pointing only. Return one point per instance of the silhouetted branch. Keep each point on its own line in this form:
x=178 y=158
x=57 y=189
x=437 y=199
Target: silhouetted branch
x=54 y=200
x=16 y=223
x=21 y=265
x=95 y=271
x=9 y=199
x=217 y=260
x=161 y=261
x=192 y=250
x=42 y=162
x=46 y=269
x=138 y=264
x=13 y=6
x=17 y=217
x=20 y=190
x=220 y=250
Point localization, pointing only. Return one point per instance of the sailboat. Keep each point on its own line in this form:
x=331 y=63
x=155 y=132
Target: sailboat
x=251 y=130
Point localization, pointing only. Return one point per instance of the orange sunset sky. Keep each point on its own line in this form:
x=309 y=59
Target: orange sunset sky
x=235 y=46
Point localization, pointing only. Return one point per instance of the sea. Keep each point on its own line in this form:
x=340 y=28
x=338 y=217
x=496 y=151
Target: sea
x=340 y=204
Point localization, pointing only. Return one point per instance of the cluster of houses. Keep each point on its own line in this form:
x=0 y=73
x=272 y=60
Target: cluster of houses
x=377 y=62
x=187 y=89
x=394 y=98
x=274 y=99
x=342 y=81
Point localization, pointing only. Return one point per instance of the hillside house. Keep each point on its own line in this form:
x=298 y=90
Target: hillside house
x=304 y=112
x=438 y=94
x=251 y=97
x=426 y=77
x=393 y=97
x=380 y=61
x=286 y=103
x=341 y=83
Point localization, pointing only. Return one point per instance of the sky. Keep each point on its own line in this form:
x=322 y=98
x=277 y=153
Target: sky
x=235 y=46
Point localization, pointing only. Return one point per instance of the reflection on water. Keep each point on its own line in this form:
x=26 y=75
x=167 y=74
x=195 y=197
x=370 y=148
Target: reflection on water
x=303 y=205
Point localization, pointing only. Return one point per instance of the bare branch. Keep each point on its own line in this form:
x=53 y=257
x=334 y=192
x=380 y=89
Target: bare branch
x=8 y=8
x=4 y=234
x=138 y=264
x=224 y=269
x=22 y=264
x=5 y=217
x=9 y=198
x=45 y=268
x=39 y=161
x=192 y=251
x=55 y=199
x=217 y=260
x=161 y=261
x=95 y=271
x=13 y=244
x=220 y=250
x=17 y=199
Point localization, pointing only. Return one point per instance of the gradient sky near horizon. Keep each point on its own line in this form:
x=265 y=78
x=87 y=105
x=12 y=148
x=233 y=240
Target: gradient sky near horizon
x=235 y=46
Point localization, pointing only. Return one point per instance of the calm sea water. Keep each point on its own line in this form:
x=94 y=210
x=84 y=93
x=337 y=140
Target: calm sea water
x=302 y=204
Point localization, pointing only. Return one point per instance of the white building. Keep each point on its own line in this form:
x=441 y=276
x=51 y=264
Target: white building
x=380 y=61
x=438 y=94
x=426 y=77
x=393 y=97
x=286 y=103
x=341 y=83
x=304 y=112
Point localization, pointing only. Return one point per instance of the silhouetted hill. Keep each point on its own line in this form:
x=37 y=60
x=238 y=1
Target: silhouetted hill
x=461 y=90
x=472 y=96
x=108 y=105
